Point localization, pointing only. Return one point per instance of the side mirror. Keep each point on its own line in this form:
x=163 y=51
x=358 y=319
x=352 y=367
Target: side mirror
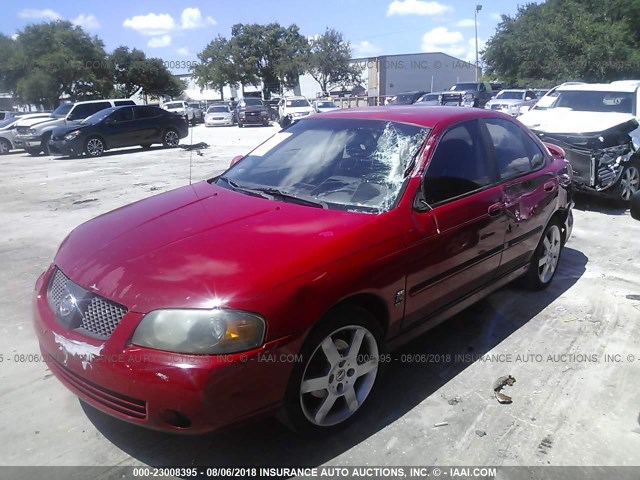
x=236 y=159
x=527 y=99
x=493 y=96
x=556 y=151
x=635 y=206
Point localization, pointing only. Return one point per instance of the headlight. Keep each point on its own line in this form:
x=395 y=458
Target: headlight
x=264 y=114
x=468 y=96
x=207 y=332
x=72 y=135
x=31 y=131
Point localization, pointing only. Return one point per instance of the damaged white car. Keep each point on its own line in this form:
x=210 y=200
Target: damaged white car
x=597 y=126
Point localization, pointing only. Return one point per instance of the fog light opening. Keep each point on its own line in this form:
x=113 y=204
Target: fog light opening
x=176 y=419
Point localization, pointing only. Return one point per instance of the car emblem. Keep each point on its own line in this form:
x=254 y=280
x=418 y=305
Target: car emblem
x=67 y=305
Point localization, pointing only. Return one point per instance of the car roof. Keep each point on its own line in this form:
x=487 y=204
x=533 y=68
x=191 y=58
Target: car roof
x=424 y=116
x=598 y=87
x=103 y=100
x=517 y=90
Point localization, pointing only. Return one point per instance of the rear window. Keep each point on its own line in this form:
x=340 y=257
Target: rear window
x=120 y=103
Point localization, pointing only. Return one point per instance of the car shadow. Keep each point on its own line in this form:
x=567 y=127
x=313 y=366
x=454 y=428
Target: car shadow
x=609 y=206
x=111 y=153
x=403 y=386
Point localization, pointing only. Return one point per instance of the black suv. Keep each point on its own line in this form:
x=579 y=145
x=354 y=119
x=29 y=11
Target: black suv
x=252 y=111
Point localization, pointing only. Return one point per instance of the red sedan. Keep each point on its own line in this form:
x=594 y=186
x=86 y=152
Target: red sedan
x=278 y=285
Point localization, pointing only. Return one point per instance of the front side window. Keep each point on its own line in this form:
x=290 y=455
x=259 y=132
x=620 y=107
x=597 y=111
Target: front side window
x=344 y=164
x=458 y=166
x=516 y=154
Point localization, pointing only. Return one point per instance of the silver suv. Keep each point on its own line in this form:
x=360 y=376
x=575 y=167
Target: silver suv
x=33 y=134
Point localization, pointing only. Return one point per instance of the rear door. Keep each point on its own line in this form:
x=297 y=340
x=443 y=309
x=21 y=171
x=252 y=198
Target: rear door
x=529 y=191
x=464 y=255
x=149 y=124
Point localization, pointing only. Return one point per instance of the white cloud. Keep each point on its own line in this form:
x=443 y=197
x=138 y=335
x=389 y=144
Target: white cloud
x=466 y=22
x=34 y=13
x=158 y=42
x=366 y=48
x=184 y=51
x=192 y=18
x=88 y=22
x=151 y=24
x=14 y=36
x=416 y=7
x=440 y=39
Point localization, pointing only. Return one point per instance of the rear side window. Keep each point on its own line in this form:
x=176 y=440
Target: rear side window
x=147 y=112
x=84 y=110
x=516 y=154
x=459 y=164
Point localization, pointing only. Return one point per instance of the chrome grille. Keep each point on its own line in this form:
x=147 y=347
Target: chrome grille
x=101 y=317
x=95 y=315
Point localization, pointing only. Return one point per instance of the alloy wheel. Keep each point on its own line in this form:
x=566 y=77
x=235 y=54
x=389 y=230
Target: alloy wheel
x=629 y=183
x=339 y=376
x=95 y=147
x=548 y=260
x=171 y=138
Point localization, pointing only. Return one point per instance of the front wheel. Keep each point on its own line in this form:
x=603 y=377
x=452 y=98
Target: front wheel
x=5 y=146
x=545 y=259
x=337 y=373
x=94 y=147
x=629 y=183
x=170 y=138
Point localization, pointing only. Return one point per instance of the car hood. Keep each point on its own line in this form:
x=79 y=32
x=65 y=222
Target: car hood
x=327 y=109
x=510 y=101
x=186 y=247
x=70 y=127
x=31 y=122
x=299 y=109
x=558 y=120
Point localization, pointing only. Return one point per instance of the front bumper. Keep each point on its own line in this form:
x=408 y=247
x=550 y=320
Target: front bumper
x=66 y=147
x=27 y=141
x=209 y=122
x=163 y=390
x=254 y=119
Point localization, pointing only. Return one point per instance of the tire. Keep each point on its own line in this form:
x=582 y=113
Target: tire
x=94 y=146
x=33 y=151
x=629 y=182
x=5 y=146
x=170 y=138
x=193 y=122
x=331 y=384
x=545 y=260
x=240 y=124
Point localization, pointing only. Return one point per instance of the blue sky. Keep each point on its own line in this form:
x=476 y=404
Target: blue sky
x=177 y=31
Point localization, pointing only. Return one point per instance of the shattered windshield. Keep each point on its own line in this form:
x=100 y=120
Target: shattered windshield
x=595 y=101
x=346 y=164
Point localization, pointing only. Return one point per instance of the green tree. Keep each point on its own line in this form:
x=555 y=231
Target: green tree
x=270 y=55
x=561 y=40
x=329 y=61
x=133 y=71
x=216 y=67
x=58 y=58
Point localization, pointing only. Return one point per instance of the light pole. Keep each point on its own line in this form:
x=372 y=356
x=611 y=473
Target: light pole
x=475 y=20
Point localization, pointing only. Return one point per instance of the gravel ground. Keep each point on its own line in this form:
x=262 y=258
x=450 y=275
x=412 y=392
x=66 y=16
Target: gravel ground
x=574 y=349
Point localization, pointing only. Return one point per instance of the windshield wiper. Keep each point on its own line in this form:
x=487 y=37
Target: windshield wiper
x=291 y=197
x=249 y=191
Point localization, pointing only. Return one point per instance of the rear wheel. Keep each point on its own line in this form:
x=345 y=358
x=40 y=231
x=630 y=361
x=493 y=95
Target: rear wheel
x=545 y=259
x=170 y=138
x=94 y=147
x=629 y=182
x=337 y=374
x=5 y=146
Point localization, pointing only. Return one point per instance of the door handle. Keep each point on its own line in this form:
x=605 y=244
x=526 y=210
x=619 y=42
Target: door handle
x=549 y=186
x=496 y=209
